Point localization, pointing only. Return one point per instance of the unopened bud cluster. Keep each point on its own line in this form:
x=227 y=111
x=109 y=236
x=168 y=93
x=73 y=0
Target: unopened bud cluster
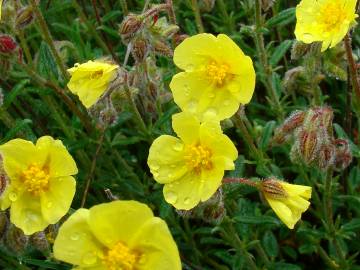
x=211 y=211
x=314 y=142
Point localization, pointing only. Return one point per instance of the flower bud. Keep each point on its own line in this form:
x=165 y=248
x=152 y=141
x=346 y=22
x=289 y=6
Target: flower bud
x=272 y=188
x=163 y=49
x=294 y=121
x=299 y=49
x=343 y=156
x=309 y=145
x=4 y=223
x=130 y=25
x=206 y=5
x=326 y=156
x=4 y=180
x=140 y=49
x=7 y=44
x=24 y=17
x=15 y=240
x=38 y=240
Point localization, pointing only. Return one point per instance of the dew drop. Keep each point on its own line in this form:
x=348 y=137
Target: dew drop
x=171 y=197
x=226 y=102
x=89 y=258
x=142 y=260
x=187 y=200
x=75 y=236
x=154 y=167
x=178 y=146
x=211 y=112
x=212 y=95
x=192 y=105
x=13 y=196
x=49 y=204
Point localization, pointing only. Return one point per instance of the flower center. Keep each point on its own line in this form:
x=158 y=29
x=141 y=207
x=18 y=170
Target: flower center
x=36 y=179
x=96 y=74
x=331 y=16
x=198 y=157
x=120 y=257
x=217 y=72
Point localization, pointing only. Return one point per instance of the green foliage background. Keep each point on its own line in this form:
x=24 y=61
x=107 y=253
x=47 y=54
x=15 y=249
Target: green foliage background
x=32 y=107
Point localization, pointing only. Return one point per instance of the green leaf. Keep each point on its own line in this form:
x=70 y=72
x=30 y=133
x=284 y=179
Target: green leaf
x=267 y=134
x=258 y=220
x=17 y=90
x=46 y=65
x=280 y=51
x=353 y=225
x=283 y=18
x=20 y=125
x=270 y=244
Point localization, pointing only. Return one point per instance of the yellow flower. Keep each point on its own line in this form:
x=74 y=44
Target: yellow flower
x=326 y=21
x=0 y=7
x=191 y=167
x=41 y=187
x=217 y=76
x=287 y=200
x=117 y=235
x=90 y=80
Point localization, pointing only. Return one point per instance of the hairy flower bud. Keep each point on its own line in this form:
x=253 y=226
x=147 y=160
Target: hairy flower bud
x=140 y=49
x=343 y=156
x=15 y=240
x=309 y=145
x=39 y=241
x=7 y=44
x=294 y=121
x=162 y=48
x=4 y=223
x=326 y=157
x=299 y=49
x=271 y=187
x=206 y=5
x=24 y=17
x=130 y=25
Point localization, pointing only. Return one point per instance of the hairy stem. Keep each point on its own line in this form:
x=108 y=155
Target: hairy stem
x=196 y=10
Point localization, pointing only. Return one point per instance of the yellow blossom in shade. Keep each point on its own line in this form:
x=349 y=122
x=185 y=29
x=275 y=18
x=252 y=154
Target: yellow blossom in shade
x=325 y=21
x=191 y=166
x=0 y=7
x=217 y=76
x=41 y=185
x=287 y=200
x=117 y=235
x=90 y=80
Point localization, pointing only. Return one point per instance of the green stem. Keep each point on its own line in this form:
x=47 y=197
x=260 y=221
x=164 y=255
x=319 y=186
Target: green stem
x=327 y=259
x=260 y=44
x=48 y=38
x=133 y=107
x=90 y=27
x=124 y=7
x=329 y=218
x=196 y=10
x=352 y=67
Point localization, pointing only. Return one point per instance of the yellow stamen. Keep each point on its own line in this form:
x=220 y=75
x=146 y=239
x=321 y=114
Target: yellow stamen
x=217 y=72
x=198 y=157
x=36 y=179
x=331 y=17
x=121 y=257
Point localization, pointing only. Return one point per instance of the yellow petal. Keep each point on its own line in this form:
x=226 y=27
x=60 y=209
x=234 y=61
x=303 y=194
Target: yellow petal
x=25 y=213
x=221 y=146
x=56 y=201
x=304 y=191
x=18 y=154
x=283 y=212
x=166 y=159
x=184 y=193
x=186 y=126
x=118 y=221
x=61 y=163
x=155 y=242
x=212 y=178
x=75 y=243
x=5 y=201
x=188 y=88
x=0 y=7
x=195 y=51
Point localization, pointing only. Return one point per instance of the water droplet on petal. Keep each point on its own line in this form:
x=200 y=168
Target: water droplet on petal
x=75 y=236
x=211 y=95
x=192 y=105
x=49 y=204
x=226 y=102
x=171 y=197
x=154 y=167
x=13 y=196
x=142 y=260
x=178 y=146
x=89 y=258
x=187 y=200
x=211 y=112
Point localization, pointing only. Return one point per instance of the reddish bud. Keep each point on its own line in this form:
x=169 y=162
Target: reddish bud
x=326 y=156
x=343 y=155
x=140 y=49
x=7 y=44
x=162 y=48
x=308 y=145
x=130 y=25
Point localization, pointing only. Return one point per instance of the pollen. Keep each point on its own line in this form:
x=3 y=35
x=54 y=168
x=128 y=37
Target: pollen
x=217 y=72
x=36 y=179
x=121 y=257
x=331 y=16
x=198 y=158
